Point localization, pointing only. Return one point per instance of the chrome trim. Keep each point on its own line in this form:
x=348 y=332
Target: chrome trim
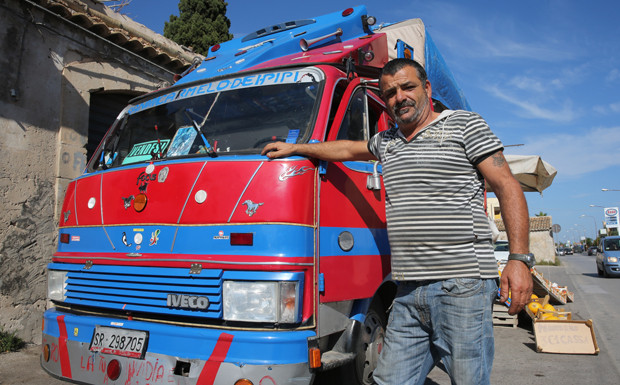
x=201 y=261
x=243 y=192
x=189 y=194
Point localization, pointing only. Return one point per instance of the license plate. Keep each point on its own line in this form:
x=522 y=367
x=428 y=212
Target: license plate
x=120 y=342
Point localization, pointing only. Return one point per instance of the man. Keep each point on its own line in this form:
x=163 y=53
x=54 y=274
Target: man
x=442 y=256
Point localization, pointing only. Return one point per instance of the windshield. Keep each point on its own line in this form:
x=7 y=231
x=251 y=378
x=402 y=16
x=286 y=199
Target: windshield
x=228 y=117
x=612 y=244
x=501 y=247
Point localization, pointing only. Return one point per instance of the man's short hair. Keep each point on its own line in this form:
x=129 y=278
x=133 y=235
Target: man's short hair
x=395 y=65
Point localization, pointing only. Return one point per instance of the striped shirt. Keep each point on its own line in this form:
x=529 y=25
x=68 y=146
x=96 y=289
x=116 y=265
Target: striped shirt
x=437 y=225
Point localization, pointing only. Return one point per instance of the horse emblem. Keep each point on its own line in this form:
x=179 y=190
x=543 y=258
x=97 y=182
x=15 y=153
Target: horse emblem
x=252 y=207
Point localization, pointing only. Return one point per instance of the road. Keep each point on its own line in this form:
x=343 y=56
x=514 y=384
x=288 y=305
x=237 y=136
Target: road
x=516 y=359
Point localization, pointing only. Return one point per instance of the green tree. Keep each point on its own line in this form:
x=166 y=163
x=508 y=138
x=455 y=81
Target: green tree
x=200 y=24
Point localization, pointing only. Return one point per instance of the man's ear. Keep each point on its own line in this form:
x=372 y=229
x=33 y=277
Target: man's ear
x=428 y=88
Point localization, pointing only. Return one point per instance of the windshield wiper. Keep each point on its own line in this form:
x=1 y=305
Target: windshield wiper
x=198 y=129
x=111 y=152
x=155 y=155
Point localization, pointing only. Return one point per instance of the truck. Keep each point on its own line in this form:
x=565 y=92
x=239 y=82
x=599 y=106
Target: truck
x=186 y=257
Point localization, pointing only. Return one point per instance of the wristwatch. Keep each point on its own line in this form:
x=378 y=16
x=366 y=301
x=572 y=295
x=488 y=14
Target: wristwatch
x=528 y=259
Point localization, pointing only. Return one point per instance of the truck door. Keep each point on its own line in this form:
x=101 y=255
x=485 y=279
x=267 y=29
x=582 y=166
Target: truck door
x=353 y=245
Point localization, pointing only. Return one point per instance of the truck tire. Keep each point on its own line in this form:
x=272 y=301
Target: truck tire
x=368 y=347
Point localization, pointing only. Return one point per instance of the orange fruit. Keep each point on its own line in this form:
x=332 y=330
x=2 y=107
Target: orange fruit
x=534 y=307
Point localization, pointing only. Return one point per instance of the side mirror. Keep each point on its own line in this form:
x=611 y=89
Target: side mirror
x=373 y=182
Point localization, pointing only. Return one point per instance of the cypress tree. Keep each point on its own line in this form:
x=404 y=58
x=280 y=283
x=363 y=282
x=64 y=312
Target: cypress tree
x=200 y=24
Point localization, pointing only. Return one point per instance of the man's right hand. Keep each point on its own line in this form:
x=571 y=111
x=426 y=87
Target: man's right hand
x=278 y=150
x=332 y=151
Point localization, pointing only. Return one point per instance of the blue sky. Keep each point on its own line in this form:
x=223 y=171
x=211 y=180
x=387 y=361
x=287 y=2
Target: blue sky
x=544 y=74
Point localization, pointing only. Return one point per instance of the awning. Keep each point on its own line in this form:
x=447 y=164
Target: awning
x=533 y=173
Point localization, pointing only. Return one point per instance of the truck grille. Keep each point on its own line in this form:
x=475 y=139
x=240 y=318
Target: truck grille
x=138 y=289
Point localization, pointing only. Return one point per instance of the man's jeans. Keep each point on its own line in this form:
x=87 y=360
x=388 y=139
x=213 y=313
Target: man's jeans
x=451 y=321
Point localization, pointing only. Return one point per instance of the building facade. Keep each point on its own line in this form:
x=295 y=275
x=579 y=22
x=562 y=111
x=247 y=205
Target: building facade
x=68 y=68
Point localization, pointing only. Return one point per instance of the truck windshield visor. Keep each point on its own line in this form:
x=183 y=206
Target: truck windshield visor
x=235 y=116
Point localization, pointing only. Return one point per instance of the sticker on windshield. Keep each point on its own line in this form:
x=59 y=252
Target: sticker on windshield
x=182 y=141
x=292 y=136
x=141 y=152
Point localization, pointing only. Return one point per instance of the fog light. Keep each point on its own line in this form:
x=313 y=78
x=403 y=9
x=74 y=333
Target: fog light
x=114 y=370
x=244 y=381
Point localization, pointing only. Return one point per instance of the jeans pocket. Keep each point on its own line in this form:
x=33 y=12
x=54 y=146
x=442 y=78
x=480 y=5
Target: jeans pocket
x=462 y=287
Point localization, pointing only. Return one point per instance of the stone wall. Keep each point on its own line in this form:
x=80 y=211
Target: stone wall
x=541 y=238
x=49 y=68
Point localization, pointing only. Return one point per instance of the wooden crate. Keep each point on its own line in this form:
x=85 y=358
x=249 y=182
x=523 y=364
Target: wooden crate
x=559 y=312
x=501 y=316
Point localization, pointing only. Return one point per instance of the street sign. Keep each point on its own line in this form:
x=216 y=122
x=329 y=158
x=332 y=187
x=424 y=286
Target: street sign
x=556 y=228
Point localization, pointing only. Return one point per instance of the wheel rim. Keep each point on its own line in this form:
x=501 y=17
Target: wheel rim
x=374 y=335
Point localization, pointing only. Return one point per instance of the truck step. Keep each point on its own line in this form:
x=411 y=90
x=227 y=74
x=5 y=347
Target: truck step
x=333 y=359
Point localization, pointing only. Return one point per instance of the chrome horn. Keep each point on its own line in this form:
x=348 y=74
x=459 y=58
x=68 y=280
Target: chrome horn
x=305 y=44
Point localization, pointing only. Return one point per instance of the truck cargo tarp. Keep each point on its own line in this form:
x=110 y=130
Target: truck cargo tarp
x=425 y=52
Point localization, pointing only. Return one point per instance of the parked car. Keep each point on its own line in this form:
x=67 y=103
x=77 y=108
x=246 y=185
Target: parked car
x=607 y=256
x=568 y=251
x=501 y=251
x=592 y=250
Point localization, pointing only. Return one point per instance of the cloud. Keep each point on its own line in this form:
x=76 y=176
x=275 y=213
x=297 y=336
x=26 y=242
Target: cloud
x=607 y=109
x=575 y=155
x=533 y=110
x=613 y=75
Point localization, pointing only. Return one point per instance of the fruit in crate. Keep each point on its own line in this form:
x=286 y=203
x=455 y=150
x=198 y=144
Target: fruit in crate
x=534 y=307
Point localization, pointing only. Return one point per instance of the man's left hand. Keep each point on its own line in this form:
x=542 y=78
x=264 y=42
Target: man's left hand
x=517 y=280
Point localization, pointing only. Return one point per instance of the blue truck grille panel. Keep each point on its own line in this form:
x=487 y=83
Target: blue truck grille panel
x=138 y=289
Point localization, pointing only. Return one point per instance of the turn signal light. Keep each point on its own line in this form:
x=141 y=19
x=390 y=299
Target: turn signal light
x=114 y=370
x=314 y=358
x=139 y=202
x=244 y=381
x=46 y=353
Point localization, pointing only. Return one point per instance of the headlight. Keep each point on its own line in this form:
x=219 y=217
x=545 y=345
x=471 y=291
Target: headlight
x=261 y=301
x=612 y=259
x=56 y=281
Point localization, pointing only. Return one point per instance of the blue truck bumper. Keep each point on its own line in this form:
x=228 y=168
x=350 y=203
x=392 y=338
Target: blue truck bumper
x=175 y=354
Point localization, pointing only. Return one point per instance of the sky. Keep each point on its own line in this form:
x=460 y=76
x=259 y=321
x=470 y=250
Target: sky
x=544 y=74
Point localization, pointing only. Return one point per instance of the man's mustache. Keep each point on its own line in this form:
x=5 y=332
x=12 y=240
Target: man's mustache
x=404 y=103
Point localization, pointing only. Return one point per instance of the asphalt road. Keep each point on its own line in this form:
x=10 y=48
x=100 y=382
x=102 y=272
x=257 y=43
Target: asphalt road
x=516 y=359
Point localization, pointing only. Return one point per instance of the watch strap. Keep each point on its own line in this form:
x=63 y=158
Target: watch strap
x=528 y=259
